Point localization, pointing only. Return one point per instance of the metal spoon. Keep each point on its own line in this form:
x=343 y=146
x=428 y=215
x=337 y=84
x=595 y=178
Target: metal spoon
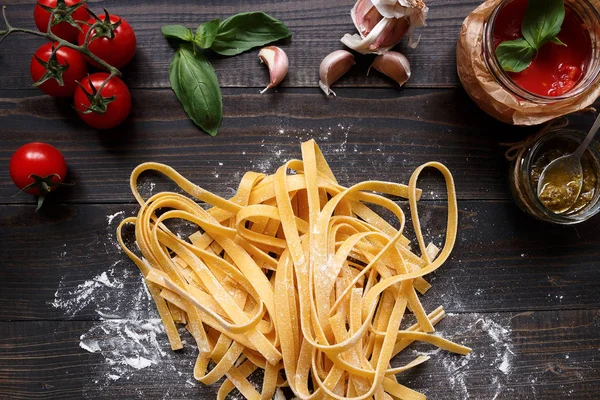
x=565 y=174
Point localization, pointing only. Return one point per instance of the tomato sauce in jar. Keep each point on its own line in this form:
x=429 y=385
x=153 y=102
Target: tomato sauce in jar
x=555 y=69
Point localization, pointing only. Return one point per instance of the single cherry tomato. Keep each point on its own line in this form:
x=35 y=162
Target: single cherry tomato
x=107 y=111
x=68 y=66
x=37 y=168
x=69 y=13
x=113 y=41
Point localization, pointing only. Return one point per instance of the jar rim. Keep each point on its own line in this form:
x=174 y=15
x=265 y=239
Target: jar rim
x=529 y=156
x=593 y=74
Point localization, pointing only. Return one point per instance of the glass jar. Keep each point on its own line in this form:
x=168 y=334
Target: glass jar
x=525 y=170
x=590 y=17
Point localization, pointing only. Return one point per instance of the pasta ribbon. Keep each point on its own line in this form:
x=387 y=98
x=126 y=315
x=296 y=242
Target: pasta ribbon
x=296 y=276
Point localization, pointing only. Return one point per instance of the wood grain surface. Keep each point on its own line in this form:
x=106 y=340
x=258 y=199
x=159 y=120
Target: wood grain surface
x=550 y=355
x=522 y=293
x=383 y=132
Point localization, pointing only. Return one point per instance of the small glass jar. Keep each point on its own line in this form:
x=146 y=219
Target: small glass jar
x=525 y=170
x=590 y=17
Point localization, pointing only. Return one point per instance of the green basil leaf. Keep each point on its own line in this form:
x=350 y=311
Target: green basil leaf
x=195 y=83
x=542 y=21
x=244 y=31
x=206 y=33
x=557 y=41
x=515 y=55
x=179 y=32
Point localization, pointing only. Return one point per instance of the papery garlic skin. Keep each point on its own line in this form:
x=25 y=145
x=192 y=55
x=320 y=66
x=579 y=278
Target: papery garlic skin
x=396 y=19
x=277 y=62
x=333 y=67
x=394 y=65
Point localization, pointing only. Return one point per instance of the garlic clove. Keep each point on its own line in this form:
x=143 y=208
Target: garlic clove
x=392 y=34
x=367 y=44
x=394 y=65
x=365 y=16
x=415 y=10
x=333 y=67
x=277 y=62
x=384 y=23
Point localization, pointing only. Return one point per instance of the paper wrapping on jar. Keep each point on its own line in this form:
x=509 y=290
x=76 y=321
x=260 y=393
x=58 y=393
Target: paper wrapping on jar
x=489 y=94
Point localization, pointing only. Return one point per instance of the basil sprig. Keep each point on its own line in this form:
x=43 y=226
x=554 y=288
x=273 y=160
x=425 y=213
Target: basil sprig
x=193 y=78
x=541 y=24
x=207 y=33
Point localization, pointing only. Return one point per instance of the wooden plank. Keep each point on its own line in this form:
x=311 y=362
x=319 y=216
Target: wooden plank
x=64 y=263
x=317 y=26
x=537 y=355
x=364 y=134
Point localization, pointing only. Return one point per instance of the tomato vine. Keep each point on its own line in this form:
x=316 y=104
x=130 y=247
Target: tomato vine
x=83 y=49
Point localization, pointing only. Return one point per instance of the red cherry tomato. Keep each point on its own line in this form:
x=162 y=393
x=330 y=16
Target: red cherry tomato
x=69 y=64
x=63 y=29
x=40 y=159
x=115 y=111
x=117 y=51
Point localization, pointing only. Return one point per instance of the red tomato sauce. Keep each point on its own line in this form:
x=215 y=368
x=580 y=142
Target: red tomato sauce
x=556 y=69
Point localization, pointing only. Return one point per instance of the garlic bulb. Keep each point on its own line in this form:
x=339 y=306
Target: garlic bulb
x=384 y=23
x=333 y=67
x=394 y=65
x=277 y=62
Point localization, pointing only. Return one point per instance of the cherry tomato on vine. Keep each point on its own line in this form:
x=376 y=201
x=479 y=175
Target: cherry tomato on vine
x=113 y=41
x=69 y=13
x=68 y=66
x=110 y=108
x=37 y=168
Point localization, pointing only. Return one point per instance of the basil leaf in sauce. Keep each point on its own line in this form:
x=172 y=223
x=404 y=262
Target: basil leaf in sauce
x=542 y=22
x=515 y=55
x=557 y=41
x=179 y=32
x=245 y=31
x=206 y=33
x=195 y=83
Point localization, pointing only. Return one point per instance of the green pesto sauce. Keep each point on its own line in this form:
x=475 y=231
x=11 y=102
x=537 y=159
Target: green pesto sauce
x=554 y=197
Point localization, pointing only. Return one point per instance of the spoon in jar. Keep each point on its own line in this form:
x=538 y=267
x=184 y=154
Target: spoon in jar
x=560 y=183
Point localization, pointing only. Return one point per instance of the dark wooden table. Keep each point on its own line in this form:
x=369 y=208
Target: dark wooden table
x=75 y=320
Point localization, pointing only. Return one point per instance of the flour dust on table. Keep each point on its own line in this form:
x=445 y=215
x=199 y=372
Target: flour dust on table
x=495 y=353
x=104 y=292
x=128 y=346
x=277 y=154
x=129 y=335
x=335 y=140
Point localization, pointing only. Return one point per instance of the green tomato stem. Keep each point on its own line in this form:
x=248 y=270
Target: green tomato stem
x=83 y=49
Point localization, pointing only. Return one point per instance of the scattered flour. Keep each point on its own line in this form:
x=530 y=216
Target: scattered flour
x=126 y=343
x=110 y=218
x=505 y=367
x=127 y=346
x=114 y=293
x=463 y=373
x=105 y=292
x=92 y=346
x=129 y=335
x=277 y=154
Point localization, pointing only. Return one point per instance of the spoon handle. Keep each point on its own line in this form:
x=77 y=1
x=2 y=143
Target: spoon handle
x=588 y=139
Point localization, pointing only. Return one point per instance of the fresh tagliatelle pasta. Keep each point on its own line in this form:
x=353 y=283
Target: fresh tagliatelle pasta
x=296 y=276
